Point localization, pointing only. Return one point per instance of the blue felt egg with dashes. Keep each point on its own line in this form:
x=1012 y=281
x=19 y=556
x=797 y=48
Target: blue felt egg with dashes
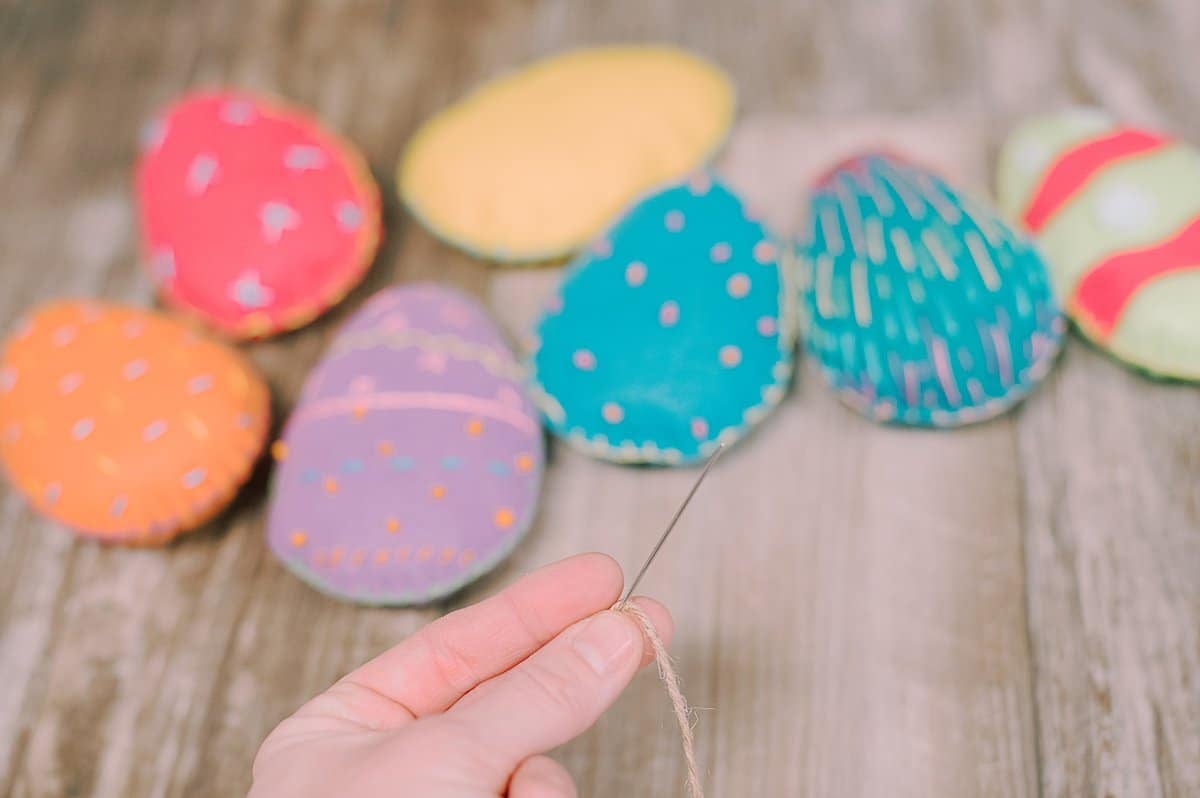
x=920 y=306
x=671 y=334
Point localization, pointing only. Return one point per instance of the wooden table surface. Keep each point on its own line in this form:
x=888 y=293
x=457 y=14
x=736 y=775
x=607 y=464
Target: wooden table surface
x=1006 y=610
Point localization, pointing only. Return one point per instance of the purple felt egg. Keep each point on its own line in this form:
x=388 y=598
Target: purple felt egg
x=413 y=460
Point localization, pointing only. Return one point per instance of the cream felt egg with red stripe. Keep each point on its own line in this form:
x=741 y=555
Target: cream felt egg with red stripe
x=254 y=217
x=1116 y=211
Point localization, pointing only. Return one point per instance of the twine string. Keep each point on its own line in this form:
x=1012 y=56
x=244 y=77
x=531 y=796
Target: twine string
x=670 y=680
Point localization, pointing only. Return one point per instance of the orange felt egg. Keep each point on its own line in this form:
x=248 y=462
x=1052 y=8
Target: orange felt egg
x=124 y=424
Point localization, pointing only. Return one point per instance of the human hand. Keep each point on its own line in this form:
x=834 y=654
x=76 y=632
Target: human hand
x=467 y=706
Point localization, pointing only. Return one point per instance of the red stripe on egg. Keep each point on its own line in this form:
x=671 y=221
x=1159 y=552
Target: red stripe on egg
x=1068 y=175
x=1106 y=290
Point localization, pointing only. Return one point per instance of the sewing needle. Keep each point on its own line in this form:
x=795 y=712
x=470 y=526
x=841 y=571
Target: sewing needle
x=674 y=520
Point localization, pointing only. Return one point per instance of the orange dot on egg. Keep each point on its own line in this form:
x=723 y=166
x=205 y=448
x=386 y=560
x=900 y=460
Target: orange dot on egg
x=504 y=518
x=474 y=428
x=358 y=557
x=279 y=450
x=524 y=462
x=359 y=412
x=196 y=426
x=403 y=553
x=447 y=554
x=299 y=538
x=438 y=492
x=738 y=285
x=331 y=485
x=336 y=555
x=381 y=556
x=385 y=448
x=424 y=553
x=393 y=525
x=467 y=557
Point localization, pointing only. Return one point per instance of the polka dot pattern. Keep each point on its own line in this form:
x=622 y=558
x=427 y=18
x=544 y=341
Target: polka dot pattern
x=667 y=383
x=254 y=217
x=437 y=469
x=112 y=442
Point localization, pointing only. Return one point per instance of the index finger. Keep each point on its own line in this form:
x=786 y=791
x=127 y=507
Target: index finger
x=441 y=662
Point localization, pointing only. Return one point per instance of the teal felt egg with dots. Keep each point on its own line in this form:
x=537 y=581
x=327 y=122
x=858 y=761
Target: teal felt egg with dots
x=920 y=306
x=671 y=334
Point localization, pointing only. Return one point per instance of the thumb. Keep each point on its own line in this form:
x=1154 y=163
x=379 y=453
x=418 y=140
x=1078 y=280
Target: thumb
x=562 y=689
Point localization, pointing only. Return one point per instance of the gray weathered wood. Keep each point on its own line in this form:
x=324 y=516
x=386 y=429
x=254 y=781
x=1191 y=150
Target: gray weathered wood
x=1009 y=610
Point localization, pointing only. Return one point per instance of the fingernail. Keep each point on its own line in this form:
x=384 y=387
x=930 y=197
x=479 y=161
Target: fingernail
x=604 y=641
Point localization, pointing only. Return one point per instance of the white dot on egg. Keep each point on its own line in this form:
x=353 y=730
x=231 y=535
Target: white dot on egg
x=674 y=221
x=69 y=382
x=82 y=428
x=730 y=355
x=721 y=252
x=1125 y=207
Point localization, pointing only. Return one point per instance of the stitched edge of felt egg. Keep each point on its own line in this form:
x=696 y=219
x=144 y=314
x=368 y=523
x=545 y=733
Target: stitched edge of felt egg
x=259 y=325
x=650 y=452
x=442 y=590
x=885 y=413
x=553 y=254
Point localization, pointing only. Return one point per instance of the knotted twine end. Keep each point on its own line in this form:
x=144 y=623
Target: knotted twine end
x=670 y=680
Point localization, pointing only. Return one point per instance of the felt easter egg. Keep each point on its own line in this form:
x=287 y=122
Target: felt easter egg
x=255 y=218
x=413 y=460
x=124 y=424
x=671 y=334
x=1116 y=211
x=920 y=306
x=533 y=164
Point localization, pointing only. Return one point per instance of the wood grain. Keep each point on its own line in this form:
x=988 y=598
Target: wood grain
x=1008 y=610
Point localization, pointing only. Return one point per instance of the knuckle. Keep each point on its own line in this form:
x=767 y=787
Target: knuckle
x=526 y=619
x=449 y=665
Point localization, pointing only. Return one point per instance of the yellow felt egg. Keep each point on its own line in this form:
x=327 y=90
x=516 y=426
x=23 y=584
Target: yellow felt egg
x=535 y=163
